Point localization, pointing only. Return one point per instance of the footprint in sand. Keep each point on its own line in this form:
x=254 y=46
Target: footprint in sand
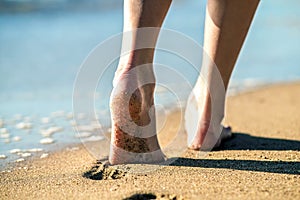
x=147 y=196
x=101 y=171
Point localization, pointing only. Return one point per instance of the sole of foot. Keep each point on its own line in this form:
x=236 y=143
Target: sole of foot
x=204 y=134
x=133 y=138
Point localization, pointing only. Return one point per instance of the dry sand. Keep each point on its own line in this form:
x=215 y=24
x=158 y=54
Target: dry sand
x=262 y=161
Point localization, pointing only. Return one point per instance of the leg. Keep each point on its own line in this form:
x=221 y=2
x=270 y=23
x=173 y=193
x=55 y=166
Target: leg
x=132 y=102
x=226 y=26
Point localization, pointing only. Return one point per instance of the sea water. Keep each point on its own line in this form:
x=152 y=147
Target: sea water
x=41 y=52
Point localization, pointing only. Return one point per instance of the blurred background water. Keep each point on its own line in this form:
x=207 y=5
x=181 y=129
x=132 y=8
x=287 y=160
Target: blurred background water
x=43 y=43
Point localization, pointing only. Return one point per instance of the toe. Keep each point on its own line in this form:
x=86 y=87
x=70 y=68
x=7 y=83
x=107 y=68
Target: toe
x=226 y=133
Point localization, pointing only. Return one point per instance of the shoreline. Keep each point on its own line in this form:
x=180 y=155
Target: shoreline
x=171 y=110
x=58 y=147
x=261 y=161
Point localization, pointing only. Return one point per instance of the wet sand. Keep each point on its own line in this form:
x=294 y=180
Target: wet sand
x=261 y=161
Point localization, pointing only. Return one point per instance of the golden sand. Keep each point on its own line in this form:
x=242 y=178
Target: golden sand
x=262 y=161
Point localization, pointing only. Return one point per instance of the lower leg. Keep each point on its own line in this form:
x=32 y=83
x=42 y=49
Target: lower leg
x=226 y=26
x=133 y=138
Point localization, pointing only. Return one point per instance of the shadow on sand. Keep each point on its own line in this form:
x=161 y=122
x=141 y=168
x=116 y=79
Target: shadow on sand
x=242 y=141
x=281 y=167
x=239 y=141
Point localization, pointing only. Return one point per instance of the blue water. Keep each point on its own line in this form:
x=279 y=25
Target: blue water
x=41 y=51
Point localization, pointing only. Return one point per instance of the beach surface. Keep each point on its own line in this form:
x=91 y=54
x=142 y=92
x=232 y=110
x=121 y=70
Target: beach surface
x=261 y=161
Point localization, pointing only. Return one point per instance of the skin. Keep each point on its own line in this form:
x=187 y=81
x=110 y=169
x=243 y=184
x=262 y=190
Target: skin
x=226 y=26
x=142 y=146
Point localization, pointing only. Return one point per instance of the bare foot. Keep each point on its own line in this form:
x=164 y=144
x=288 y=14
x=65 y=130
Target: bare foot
x=203 y=127
x=133 y=138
